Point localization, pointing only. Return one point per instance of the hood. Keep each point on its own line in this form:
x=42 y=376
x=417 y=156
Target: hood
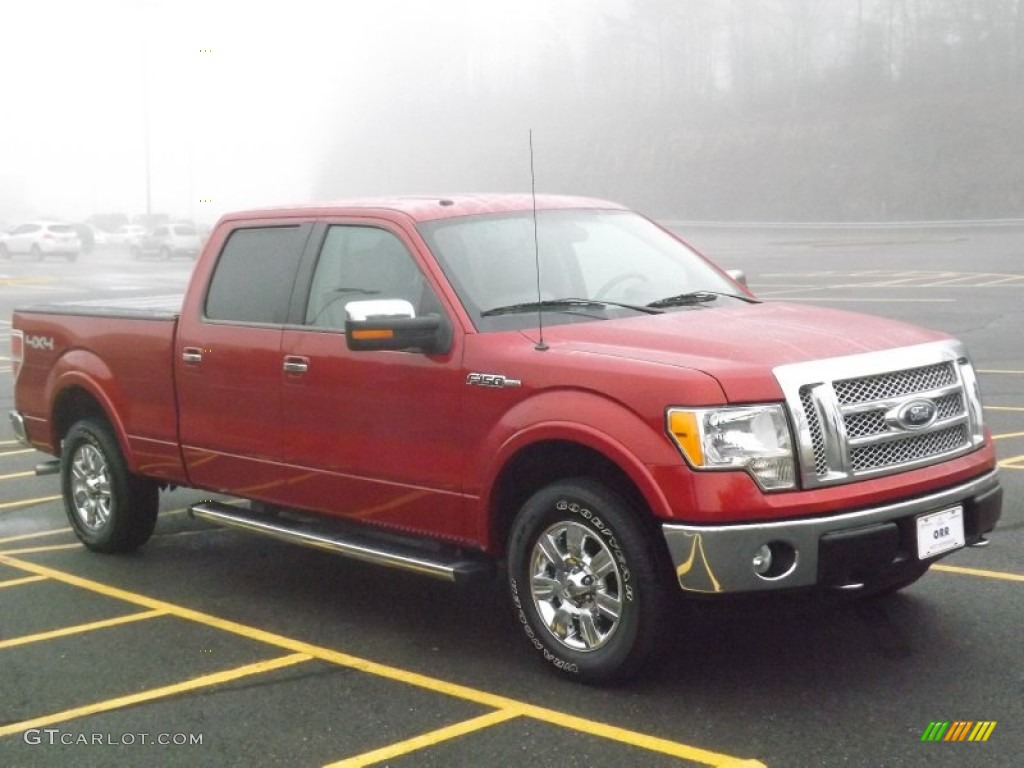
x=740 y=346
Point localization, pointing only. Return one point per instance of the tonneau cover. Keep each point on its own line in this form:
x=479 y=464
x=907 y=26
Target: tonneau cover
x=140 y=307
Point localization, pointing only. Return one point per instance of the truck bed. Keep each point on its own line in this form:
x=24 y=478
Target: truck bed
x=119 y=352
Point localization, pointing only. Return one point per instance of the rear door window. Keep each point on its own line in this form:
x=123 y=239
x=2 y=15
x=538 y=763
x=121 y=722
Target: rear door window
x=252 y=282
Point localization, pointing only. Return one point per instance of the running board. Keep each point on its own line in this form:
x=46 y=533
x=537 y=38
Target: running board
x=343 y=540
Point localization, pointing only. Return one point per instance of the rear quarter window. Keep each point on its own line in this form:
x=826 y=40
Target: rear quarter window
x=252 y=282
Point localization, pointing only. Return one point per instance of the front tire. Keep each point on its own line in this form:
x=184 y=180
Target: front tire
x=586 y=580
x=109 y=508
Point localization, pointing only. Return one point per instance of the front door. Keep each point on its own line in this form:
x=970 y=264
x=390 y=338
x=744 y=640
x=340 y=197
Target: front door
x=373 y=436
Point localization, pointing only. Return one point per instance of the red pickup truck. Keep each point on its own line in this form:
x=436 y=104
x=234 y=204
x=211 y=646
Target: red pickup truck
x=556 y=384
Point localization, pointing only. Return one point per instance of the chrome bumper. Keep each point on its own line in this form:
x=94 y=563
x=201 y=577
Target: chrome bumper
x=719 y=559
x=18 y=425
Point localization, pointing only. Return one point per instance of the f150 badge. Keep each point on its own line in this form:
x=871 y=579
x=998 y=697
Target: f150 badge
x=38 y=342
x=492 y=380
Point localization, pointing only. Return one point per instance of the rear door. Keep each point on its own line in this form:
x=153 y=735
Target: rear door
x=228 y=360
x=372 y=435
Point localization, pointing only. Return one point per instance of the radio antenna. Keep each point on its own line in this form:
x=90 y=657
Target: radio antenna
x=541 y=346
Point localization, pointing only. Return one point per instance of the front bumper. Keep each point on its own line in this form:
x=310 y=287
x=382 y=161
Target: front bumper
x=827 y=551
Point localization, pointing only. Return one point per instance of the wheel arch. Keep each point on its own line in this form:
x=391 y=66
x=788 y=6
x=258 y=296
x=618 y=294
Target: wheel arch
x=544 y=461
x=78 y=398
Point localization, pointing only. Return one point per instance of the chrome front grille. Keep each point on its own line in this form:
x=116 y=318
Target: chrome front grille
x=817 y=436
x=908 y=450
x=881 y=413
x=895 y=384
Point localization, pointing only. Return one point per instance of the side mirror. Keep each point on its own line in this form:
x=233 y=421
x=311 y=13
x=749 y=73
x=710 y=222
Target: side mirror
x=391 y=324
x=738 y=275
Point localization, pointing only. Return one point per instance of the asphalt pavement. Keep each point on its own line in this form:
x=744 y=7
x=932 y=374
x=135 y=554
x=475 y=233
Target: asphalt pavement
x=213 y=647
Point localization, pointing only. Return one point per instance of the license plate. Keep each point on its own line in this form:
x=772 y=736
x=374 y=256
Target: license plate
x=940 y=532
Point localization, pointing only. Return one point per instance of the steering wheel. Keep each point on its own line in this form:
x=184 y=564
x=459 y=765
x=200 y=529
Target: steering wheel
x=616 y=281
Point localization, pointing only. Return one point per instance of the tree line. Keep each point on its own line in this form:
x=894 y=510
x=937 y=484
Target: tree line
x=717 y=109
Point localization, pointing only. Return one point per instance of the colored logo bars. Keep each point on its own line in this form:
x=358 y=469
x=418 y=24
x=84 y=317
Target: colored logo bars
x=960 y=730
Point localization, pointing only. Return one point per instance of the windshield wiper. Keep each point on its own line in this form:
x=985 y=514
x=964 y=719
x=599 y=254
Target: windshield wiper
x=565 y=304
x=696 y=297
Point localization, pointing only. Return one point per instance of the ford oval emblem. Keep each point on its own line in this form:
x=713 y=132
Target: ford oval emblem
x=917 y=414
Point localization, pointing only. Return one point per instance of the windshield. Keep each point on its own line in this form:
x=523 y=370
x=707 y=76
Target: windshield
x=594 y=265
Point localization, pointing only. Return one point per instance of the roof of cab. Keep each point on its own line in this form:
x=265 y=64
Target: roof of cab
x=428 y=208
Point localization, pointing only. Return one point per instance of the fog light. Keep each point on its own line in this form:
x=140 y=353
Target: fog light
x=774 y=560
x=762 y=560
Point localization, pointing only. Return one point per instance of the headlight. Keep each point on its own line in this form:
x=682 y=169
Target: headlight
x=752 y=438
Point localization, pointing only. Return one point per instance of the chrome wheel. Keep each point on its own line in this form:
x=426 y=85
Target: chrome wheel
x=90 y=487
x=576 y=585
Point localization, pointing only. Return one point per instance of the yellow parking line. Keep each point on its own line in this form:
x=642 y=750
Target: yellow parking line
x=17 y=453
x=1012 y=462
x=1008 y=434
x=978 y=572
x=37 y=535
x=9 y=442
x=35 y=550
x=428 y=739
x=900 y=281
x=157 y=693
x=28 y=502
x=22 y=580
x=79 y=628
x=968 y=276
x=16 y=474
x=433 y=684
x=56 y=531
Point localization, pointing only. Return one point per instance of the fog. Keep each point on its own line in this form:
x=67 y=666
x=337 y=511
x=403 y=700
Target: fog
x=692 y=109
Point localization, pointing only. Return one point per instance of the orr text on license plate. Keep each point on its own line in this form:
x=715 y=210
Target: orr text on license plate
x=940 y=532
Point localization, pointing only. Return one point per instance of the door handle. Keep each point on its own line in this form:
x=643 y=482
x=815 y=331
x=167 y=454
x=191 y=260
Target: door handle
x=296 y=365
x=192 y=355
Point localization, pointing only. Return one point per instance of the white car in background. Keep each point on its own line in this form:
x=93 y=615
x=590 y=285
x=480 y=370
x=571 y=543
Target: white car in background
x=167 y=240
x=126 y=234
x=39 y=239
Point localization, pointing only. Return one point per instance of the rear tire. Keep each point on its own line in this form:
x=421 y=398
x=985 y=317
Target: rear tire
x=37 y=255
x=109 y=508
x=586 y=580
